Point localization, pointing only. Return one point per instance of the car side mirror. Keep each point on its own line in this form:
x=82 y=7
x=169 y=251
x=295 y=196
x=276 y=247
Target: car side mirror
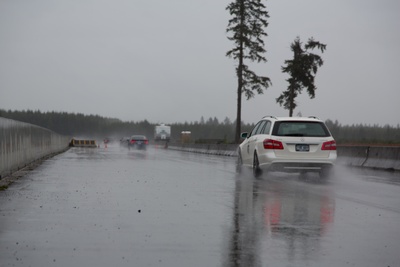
x=244 y=135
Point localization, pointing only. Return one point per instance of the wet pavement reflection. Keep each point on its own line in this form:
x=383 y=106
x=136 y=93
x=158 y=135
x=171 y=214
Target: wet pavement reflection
x=281 y=216
x=291 y=220
x=119 y=207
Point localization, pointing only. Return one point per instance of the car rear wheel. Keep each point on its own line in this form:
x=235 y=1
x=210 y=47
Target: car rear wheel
x=256 y=166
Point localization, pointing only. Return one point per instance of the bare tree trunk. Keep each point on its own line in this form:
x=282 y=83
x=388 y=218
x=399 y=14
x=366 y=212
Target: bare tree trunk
x=239 y=101
x=240 y=81
x=239 y=111
x=291 y=99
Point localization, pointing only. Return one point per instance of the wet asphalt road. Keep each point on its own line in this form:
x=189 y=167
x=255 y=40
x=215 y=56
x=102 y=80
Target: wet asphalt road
x=114 y=207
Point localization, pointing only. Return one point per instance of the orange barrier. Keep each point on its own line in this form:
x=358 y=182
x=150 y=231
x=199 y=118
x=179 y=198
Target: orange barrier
x=83 y=143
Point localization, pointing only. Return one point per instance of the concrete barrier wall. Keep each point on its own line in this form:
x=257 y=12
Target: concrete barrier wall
x=352 y=155
x=357 y=156
x=210 y=149
x=380 y=157
x=22 y=143
x=383 y=157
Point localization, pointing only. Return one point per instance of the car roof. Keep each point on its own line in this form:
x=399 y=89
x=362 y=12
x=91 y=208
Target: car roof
x=311 y=118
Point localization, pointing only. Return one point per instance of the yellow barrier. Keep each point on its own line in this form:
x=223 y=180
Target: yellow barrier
x=83 y=143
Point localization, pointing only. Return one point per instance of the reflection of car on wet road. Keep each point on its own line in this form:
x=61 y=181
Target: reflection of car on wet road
x=290 y=144
x=138 y=142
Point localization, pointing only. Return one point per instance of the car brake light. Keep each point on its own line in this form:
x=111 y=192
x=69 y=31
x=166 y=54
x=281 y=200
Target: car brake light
x=146 y=142
x=272 y=144
x=133 y=141
x=330 y=145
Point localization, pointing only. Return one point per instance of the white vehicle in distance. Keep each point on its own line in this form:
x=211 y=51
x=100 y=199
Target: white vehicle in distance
x=162 y=132
x=288 y=144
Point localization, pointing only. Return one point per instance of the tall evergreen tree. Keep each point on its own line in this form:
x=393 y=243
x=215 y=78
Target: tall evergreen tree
x=249 y=18
x=302 y=70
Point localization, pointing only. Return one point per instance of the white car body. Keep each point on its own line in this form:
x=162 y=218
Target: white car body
x=290 y=144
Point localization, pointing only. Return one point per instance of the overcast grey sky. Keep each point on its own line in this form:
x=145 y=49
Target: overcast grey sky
x=164 y=61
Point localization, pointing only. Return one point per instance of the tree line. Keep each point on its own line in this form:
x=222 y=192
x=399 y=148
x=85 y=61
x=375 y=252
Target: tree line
x=78 y=125
x=364 y=134
x=202 y=131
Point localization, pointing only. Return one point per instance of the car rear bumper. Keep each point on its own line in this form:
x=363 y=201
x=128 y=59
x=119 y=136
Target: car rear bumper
x=297 y=166
x=137 y=146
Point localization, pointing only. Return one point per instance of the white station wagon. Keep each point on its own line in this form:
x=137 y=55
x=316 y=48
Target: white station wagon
x=289 y=144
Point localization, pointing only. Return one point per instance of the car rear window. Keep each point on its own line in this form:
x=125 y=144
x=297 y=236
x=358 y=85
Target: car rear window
x=138 y=137
x=300 y=128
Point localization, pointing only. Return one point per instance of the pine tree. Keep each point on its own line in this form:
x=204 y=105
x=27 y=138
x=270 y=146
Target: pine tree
x=249 y=18
x=302 y=70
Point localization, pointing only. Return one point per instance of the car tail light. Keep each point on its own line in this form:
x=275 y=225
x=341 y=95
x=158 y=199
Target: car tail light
x=146 y=142
x=133 y=141
x=272 y=144
x=330 y=145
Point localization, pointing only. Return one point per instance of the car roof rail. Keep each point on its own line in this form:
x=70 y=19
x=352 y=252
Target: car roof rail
x=270 y=117
x=313 y=117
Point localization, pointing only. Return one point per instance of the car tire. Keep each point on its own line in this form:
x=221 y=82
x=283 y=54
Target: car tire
x=256 y=166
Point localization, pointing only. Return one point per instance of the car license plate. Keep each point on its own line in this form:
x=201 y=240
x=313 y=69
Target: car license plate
x=302 y=147
x=139 y=142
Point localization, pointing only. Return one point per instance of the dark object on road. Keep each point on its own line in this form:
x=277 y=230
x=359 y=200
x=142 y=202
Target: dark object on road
x=124 y=141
